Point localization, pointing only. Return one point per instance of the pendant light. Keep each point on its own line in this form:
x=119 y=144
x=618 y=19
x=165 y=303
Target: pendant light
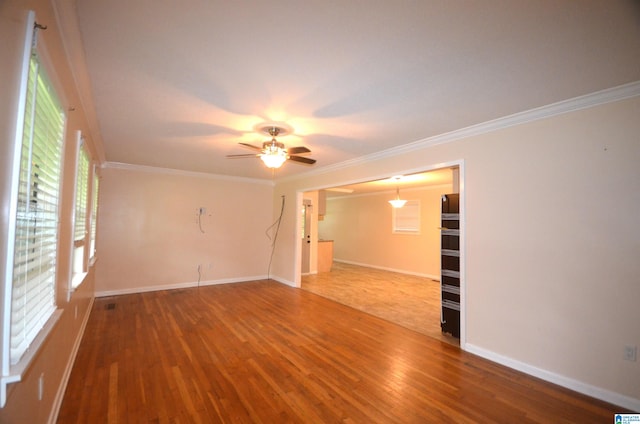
x=397 y=202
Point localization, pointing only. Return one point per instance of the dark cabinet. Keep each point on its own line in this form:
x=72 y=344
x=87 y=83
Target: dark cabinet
x=450 y=264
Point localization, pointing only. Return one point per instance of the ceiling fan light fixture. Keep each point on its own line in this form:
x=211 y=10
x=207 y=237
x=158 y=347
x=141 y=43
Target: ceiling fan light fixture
x=274 y=159
x=273 y=153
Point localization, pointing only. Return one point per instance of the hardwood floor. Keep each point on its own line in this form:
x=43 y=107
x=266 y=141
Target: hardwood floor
x=407 y=300
x=262 y=352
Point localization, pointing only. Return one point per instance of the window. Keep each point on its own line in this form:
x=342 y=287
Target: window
x=94 y=213
x=406 y=220
x=34 y=242
x=80 y=220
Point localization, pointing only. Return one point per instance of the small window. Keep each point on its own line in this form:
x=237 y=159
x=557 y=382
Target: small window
x=94 y=214
x=80 y=221
x=406 y=220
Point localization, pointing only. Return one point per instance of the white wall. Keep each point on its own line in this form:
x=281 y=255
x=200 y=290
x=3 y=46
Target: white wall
x=551 y=239
x=150 y=237
x=361 y=227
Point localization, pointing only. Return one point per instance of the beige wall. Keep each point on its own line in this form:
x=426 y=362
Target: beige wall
x=361 y=229
x=53 y=361
x=150 y=237
x=551 y=242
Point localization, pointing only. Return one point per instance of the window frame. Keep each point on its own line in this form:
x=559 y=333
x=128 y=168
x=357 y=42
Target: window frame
x=93 y=216
x=12 y=371
x=79 y=251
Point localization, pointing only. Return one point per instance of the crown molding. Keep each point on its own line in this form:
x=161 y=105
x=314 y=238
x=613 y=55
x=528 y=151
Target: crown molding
x=597 y=98
x=182 y=173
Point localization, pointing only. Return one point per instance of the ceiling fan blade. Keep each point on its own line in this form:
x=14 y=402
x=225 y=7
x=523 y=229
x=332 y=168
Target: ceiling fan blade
x=300 y=159
x=298 y=150
x=251 y=146
x=248 y=155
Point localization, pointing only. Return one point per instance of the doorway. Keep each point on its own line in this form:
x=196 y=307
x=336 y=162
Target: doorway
x=358 y=270
x=305 y=240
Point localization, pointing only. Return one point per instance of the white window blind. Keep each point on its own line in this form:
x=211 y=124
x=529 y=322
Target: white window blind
x=406 y=220
x=34 y=263
x=94 y=213
x=80 y=224
x=82 y=187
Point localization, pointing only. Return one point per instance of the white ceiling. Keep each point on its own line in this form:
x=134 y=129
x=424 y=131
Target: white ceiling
x=177 y=84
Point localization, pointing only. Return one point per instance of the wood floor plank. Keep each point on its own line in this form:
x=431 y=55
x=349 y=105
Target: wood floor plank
x=262 y=352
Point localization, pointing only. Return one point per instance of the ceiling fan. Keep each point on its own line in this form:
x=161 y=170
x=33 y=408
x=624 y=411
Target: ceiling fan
x=273 y=153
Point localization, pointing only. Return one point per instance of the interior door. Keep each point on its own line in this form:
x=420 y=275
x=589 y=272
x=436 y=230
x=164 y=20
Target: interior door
x=306 y=236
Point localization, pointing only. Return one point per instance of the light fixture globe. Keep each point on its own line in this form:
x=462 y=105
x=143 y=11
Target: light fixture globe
x=274 y=154
x=274 y=159
x=397 y=202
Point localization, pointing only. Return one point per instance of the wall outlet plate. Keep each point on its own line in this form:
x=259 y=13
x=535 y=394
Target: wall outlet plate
x=631 y=353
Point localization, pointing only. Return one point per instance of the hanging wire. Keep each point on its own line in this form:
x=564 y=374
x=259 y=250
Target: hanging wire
x=276 y=224
x=200 y=220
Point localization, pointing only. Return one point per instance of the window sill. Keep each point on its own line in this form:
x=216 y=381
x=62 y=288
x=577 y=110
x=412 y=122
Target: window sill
x=77 y=279
x=17 y=371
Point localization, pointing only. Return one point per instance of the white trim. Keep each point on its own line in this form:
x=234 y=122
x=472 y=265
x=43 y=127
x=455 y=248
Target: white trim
x=561 y=380
x=376 y=177
x=57 y=401
x=285 y=282
x=13 y=203
x=384 y=268
x=176 y=286
x=73 y=277
x=609 y=95
x=76 y=280
x=463 y=254
x=170 y=171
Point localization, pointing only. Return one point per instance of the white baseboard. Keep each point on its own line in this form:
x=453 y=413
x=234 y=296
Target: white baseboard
x=399 y=271
x=284 y=281
x=144 y=289
x=57 y=401
x=575 y=385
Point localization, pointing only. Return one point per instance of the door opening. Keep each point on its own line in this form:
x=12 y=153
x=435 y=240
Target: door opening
x=306 y=236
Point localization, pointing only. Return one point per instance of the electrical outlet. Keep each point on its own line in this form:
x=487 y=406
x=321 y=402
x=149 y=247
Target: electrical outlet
x=203 y=210
x=630 y=353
